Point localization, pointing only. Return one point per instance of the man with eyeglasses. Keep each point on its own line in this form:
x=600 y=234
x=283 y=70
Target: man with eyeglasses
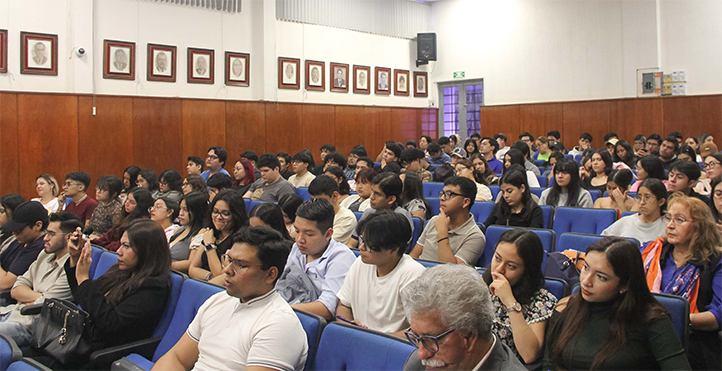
x=28 y=225
x=451 y=314
x=215 y=161
x=44 y=279
x=452 y=236
x=683 y=176
x=249 y=326
x=76 y=187
x=302 y=177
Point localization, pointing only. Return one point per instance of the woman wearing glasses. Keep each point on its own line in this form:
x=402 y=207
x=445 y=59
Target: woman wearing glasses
x=164 y=212
x=194 y=183
x=713 y=168
x=227 y=215
x=686 y=262
x=170 y=183
x=648 y=225
x=717 y=201
x=135 y=207
x=466 y=169
x=649 y=167
x=110 y=207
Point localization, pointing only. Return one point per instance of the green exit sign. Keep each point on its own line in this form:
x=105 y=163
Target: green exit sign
x=459 y=75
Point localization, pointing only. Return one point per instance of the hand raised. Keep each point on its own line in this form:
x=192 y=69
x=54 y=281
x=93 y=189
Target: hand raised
x=502 y=289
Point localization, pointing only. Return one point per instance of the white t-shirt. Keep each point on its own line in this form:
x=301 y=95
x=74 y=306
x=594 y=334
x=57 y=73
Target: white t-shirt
x=632 y=226
x=302 y=181
x=50 y=206
x=343 y=225
x=483 y=193
x=262 y=332
x=376 y=301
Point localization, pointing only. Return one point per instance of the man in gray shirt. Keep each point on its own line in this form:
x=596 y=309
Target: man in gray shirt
x=271 y=187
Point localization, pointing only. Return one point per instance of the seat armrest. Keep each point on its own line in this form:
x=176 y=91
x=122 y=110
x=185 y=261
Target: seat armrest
x=32 y=309
x=104 y=358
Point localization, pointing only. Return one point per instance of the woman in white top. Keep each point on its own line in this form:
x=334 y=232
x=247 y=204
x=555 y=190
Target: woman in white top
x=465 y=168
x=514 y=156
x=164 y=211
x=361 y=201
x=648 y=224
x=566 y=188
x=47 y=188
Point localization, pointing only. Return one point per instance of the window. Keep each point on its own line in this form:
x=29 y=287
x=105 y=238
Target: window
x=451 y=110
x=460 y=111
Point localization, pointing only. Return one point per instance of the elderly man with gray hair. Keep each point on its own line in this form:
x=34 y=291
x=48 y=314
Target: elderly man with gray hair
x=450 y=312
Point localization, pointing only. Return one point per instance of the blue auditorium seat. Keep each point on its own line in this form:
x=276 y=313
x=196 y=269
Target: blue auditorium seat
x=313 y=326
x=628 y=213
x=580 y=241
x=435 y=203
x=26 y=364
x=432 y=189
x=582 y=220
x=548 y=212
x=556 y=287
x=537 y=191
x=95 y=255
x=493 y=232
x=9 y=352
x=303 y=193
x=358 y=215
x=481 y=210
x=418 y=228
x=494 y=191
x=595 y=194
x=543 y=181
x=427 y=263
x=107 y=259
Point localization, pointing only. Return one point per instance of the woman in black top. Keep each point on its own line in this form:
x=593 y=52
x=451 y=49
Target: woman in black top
x=624 y=153
x=614 y=323
x=127 y=302
x=243 y=176
x=517 y=208
x=601 y=167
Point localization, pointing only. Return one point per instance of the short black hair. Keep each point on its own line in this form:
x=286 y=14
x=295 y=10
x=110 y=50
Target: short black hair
x=554 y=133
x=250 y=155
x=171 y=204
x=557 y=155
x=640 y=137
x=271 y=248
x=110 y=183
x=323 y=185
x=410 y=155
x=655 y=136
x=674 y=141
x=172 y=179
x=610 y=135
x=433 y=148
x=80 y=176
x=390 y=184
x=359 y=151
x=302 y=157
x=269 y=160
x=69 y=222
x=526 y=134
x=368 y=160
x=494 y=144
x=289 y=203
x=521 y=146
x=412 y=143
x=475 y=135
x=688 y=168
x=285 y=156
x=676 y=135
x=221 y=153
x=443 y=141
x=317 y=210
x=336 y=157
x=220 y=181
x=196 y=160
x=467 y=186
x=500 y=135
x=385 y=230
x=11 y=201
x=396 y=150
x=586 y=136
x=328 y=147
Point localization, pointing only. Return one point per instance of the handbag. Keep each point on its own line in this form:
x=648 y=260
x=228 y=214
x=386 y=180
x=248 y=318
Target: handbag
x=565 y=266
x=62 y=331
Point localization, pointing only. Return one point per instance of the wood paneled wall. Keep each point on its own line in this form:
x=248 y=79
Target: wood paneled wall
x=690 y=115
x=58 y=134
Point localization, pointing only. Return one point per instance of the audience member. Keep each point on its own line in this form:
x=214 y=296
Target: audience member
x=8 y=204
x=334 y=159
x=653 y=142
x=302 y=177
x=289 y=204
x=364 y=163
x=640 y=146
x=503 y=148
x=266 y=333
x=371 y=292
x=389 y=159
x=694 y=144
x=601 y=167
x=706 y=138
x=135 y=207
x=252 y=156
x=451 y=316
x=356 y=153
x=215 y=162
x=649 y=167
x=28 y=224
x=412 y=197
x=424 y=142
x=344 y=221
x=76 y=187
x=554 y=158
x=713 y=168
x=649 y=224
x=517 y=208
x=543 y=151
x=164 y=212
x=217 y=183
x=528 y=140
x=336 y=173
x=687 y=153
x=484 y=174
x=361 y=200
x=325 y=150
x=185 y=241
x=411 y=161
x=271 y=186
x=194 y=183
x=623 y=157
x=109 y=209
x=515 y=157
x=471 y=146
x=436 y=155
x=456 y=155
x=585 y=141
x=465 y=168
x=566 y=189
x=452 y=236
x=446 y=146
x=48 y=189
x=285 y=160
x=148 y=180
x=617 y=190
x=169 y=185
x=270 y=216
x=611 y=144
x=194 y=165
x=554 y=136
x=717 y=201
x=683 y=176
x=528 y=164
x=130 y=178
x=243 y=176
x=668 y=151
x=613 y=323
x=488 y=148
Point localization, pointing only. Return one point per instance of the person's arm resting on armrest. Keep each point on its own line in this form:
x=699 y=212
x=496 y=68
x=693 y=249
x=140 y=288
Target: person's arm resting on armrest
x=183 y=355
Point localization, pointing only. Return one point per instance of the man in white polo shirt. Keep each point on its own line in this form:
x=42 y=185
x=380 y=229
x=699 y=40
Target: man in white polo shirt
x=260 y=331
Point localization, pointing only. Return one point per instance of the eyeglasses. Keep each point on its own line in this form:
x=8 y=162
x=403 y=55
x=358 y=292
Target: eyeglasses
x=212 y=157
x=459 y=169
x=221 y=214
x=431 y=343
x=237 y=265
x=156 y=207
x=678 y=220
x=647 y=198
x=448 y=194
x=710 y=165
x=69 y=184
x=52 y=234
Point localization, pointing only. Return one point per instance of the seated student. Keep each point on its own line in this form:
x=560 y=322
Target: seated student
x=371 y=293
x=8 y=204
x=302 y=176
x=412 y=197
x=356 y=153
x=685 y=262
x=28 y=226
x=228 y=215
x=317 y=264
x=386 y=191
x=194 y=183
x=364 y=163
x=517 y=208
x=617 y=189
x=243 y=176
x=623 y=157
x=687 y=153
x=44 y=279
x=252 y=156
x=585 y=140
x=614 y=323
x=285 y=160
x=217 y=183
x=411 y=161
x=325 y=149
x=436 y=155
x=270 y=216
x=465 y=168
x=164 y=212
x=516 y=282
x=472 y=144
x=48 y=189
x=649 y=167
x=525 y=151
x=554 y=158
x=713 y=168
x=683 y=176
x=515 y=157
x=271 y=186
x=130 y=179
x=148 y=180
x=185 y=241
x=215 y=161
x=169 y=185
x=716 y=201
x=649 y=224
x=483 y=174
x=127 y=302
x=452 y=236
x=107 y=213
x=543 y=150
x=289 y=204
x=344 y=221
x=488 y=148
x=457 y=155
x=334 y=159
x=566 y=189
x=360 y=201
x=601 y=167
x=135 y=207
x=266 y=333
x=76 y=187
x=668 y=151
x=194 y=165
x=336 y=173
x=390 y=159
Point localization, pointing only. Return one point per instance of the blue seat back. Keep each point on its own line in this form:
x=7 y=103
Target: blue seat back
x=594 y=193
x=313 y=326
x=481 y=210
x=303 y=192
x=432 y=189
x=628 y=213
x=358 y=215
x=9 y=352
x=543 y=181
x=678 y=308
x=176 y=284
x=427 y=263
x=193 y=295
x=578 y=158
x=418 y=228
x=548 y=212
x=356 y=252
x=435 y=203
x=250 y=204
x=26 y=364
x=556 y=287
x=95 y=255
x=345 y=347
x=493 y=232
x=580 y=220
x=107 y=259
x=580 y=241
x=494 y=191
x=536 y=191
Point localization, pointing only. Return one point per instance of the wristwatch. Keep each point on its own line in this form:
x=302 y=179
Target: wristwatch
x=516 y=307
x=210 y=246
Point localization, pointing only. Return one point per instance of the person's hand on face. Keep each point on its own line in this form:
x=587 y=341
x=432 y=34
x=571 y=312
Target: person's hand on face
x=442 y=221
x=502 y=289
x=618 y=196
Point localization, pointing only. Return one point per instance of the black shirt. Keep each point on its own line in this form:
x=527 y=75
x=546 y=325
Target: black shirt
x=287 y=174
x=220 y=250
x=535 y=219
x=17 y=258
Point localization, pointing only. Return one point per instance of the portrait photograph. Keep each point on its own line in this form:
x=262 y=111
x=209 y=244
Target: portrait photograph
x=118 y=60
x=361 y=79
x=161 y=63
x=339 y=77
x=201 y=66
x=421 y=84
x=38 y=54
x=401 y=78
x=3 y=51
x=383 y=80
x=288 y=73
x=237 y=69
x=315 y=71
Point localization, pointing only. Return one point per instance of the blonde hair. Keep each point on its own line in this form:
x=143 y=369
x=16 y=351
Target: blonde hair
x=51 y=180
x=706 y=237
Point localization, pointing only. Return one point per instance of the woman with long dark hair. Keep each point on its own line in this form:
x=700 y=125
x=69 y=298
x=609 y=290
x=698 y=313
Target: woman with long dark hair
x=471 y=147
x=716 y=197
x=186 y=240
x=289 y=203
x=110 y=207
x=412 y=197
x=194 y=183
x=516 y=283
x=465 y=168
x=649 y=167
x=601 y=167
x=617 y=189
x=361 y=200
x=566 y=189
x=614 y=323
x=516 y=157
x=487 y=176
x=648 y=224
x=243 y=176
x=148 y=180
x=135 y=207
x=517 y=208
x=624 y=156
x=269 y=215
x=130 y=178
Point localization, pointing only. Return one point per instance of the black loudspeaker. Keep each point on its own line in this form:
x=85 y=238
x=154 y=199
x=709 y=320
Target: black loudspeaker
x=426 y=47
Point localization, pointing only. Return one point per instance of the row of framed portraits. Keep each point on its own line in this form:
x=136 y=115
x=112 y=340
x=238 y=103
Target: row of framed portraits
x=38 y=53
x=289 y=77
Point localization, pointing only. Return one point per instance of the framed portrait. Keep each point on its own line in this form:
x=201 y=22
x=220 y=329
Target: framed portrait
x=201 y=66
x=361 y=79
x=3 y=51
x=383 y=80
x=161 y=63
x=401 y=78
x=421 y=84
x=118 y=60
x=339 y=77
x=38 y=54
x=315 y=72
x=238 y=67
x=288 y=73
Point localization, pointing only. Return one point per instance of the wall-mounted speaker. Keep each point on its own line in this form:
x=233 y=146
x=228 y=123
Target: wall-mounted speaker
x=426 y=47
